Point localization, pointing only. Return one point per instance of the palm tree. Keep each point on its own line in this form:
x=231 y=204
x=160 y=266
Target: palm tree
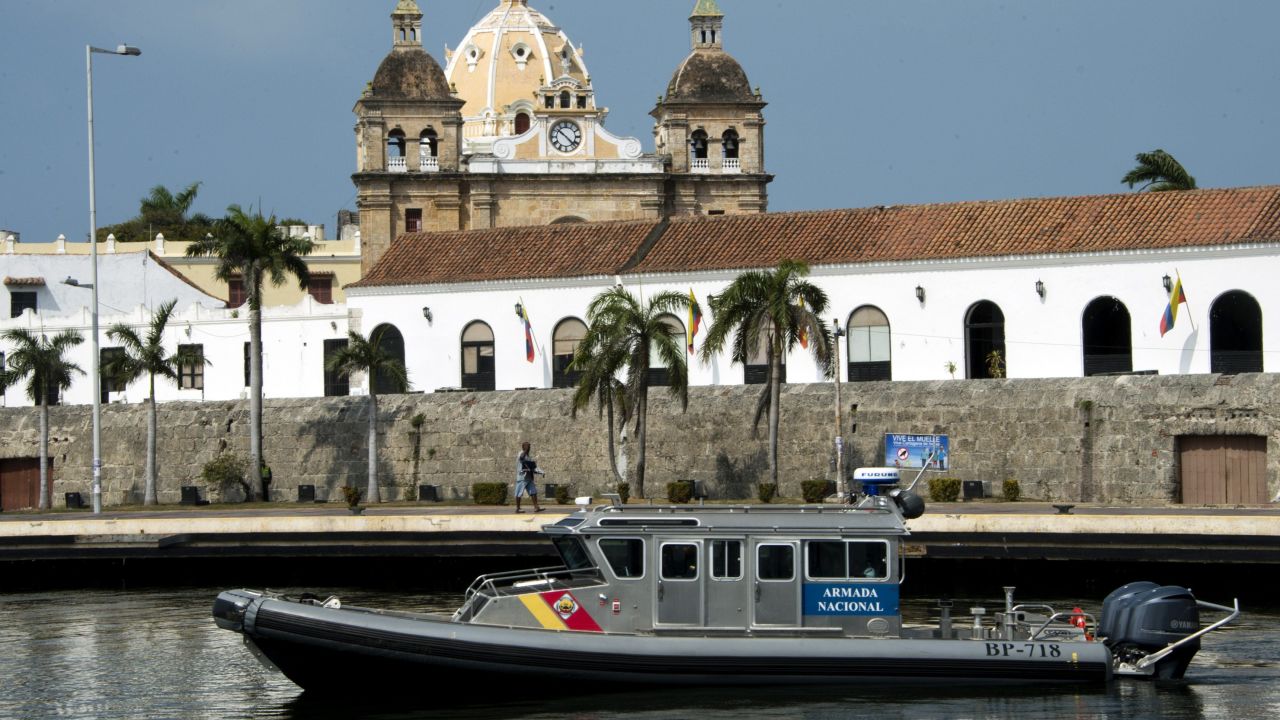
x=148 y=356
x=1160 y=172
x=41 y=361
x=773 y=309
x=250 y=247
x=367 y=356
x=162 y=208
x=599 y=381
x=622 y=333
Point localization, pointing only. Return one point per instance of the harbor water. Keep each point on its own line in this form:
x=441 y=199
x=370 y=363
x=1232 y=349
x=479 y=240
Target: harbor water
x=156 y=653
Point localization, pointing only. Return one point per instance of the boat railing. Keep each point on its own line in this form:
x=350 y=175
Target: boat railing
x=741 y=509
x=1073 y=622
x=488 y=587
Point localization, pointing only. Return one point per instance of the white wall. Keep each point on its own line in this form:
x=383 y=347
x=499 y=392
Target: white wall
x=1043 y=337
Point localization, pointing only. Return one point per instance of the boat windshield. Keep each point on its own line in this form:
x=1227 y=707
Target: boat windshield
x=573 y=553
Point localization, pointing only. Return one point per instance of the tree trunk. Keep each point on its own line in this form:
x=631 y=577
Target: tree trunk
x=149 y=494
x=372 y=494
x=613 y=460
x=775 y=394
x=642 y=413
x=255 y=379
x=44 y=450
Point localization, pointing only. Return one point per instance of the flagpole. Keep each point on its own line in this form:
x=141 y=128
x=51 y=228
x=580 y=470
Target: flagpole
x=1183 y=293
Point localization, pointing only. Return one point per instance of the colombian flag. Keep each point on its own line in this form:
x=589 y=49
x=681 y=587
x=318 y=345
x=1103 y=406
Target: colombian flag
x=695 y=319
x=1176 y=298
x=528 y=333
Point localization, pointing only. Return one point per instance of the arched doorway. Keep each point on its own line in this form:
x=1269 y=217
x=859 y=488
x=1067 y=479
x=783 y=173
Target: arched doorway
x=1108 y=340
x=869 y=349
x=564 y=343
x=756 y=371
x=1235 y=334
x=984 y=335
x=659 y=375
x=478 y=357
x=391 y=342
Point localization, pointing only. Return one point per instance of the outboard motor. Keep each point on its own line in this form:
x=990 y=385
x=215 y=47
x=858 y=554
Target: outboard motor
x=878 y=481
x=1142 y=618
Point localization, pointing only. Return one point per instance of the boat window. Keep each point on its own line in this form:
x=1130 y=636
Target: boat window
x=775 y=562
x=679 y=561
x=847 y=560
x=625 y=556
x=726 y=559
x=572 y=552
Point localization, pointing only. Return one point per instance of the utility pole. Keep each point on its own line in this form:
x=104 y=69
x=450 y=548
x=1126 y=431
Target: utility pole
x=841 y=490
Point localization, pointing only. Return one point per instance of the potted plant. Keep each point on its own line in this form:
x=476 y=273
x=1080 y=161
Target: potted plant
x=352 y=495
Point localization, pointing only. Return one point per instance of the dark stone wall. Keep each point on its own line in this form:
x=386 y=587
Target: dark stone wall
x=1110 y=440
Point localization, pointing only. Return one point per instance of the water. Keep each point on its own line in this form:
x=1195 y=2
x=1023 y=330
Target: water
x=157 y=654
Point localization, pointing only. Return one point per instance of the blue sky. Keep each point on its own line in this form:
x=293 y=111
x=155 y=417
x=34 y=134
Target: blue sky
x=870 y=103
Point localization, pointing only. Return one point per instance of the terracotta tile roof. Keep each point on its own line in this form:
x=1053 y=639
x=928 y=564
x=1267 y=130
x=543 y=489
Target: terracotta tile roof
x=1080 y=224
x=33 y=281
x=542 y=251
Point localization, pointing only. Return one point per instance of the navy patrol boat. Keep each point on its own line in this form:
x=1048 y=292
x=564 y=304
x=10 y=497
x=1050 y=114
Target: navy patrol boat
x=721 y=595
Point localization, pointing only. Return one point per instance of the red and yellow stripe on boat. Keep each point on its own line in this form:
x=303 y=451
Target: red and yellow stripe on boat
x=559 y=610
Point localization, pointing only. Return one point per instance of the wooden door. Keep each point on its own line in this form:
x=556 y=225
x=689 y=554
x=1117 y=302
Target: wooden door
x=20 y=483
x=1223 y=469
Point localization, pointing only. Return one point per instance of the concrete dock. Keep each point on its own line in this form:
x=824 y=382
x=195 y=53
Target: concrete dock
x=960 y=531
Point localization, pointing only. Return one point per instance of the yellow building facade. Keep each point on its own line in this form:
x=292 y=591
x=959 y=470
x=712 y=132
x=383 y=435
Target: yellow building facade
x=508 y=132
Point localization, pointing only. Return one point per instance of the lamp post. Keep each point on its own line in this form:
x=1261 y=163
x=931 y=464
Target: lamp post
x=89 y=50
x=841 y=490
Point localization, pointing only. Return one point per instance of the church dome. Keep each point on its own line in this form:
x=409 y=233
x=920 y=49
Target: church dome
x=510 y=63
x=410 y=74
x=709 y=75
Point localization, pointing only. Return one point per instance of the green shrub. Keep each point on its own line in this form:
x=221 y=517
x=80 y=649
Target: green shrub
x=226 y=471
x=944 y=489
x=679 y=492
x=815 y=491
x=562 y=494
x=352 y=494
x=489 y=493
x=1011 y=490
x=767 y=492
x=624 y=492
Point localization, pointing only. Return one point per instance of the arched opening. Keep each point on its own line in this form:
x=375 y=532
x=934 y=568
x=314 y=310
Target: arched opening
x=391 y=342
x=1107 y=336
x=870 y=354
x=478 y=357
x=984 y=341
x=429 y=150
x=565 y=99
x=567 y=220
x=756 y=371
x=395 y=151
x=564 y=343
x=698 y=145
x=1235 y=334
x=729 y=145
x=659 y=375
x=522 y=123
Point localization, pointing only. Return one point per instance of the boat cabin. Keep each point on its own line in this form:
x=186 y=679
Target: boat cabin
x=825 y=570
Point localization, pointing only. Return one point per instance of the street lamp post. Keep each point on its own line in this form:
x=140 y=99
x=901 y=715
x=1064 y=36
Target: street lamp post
x=95 y=362
x=841 y=490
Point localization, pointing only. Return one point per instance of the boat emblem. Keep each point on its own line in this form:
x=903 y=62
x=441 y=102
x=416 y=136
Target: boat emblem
x=566 y=606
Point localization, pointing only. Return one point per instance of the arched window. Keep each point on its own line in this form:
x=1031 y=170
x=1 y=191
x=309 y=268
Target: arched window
x=567 y=220
x=1108 y=343
x=729 y=145
x=1235 y=334
x=698 y=145
x=565 y=99
x=659 y=375
x=756 y=371
x=522 y=123
x=395 y=151
x=984 y=341
x=429 y=143
x=869 y=351
x=391 y=342
x=564 y=342
x=478 y=357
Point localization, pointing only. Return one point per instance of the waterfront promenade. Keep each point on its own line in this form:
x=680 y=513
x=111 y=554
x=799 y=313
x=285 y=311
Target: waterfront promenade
x=970 y=530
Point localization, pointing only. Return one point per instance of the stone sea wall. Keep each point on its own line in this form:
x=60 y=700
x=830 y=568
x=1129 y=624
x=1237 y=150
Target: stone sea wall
x=1111 y=440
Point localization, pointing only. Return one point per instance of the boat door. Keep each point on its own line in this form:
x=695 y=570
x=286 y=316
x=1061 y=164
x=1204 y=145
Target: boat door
x=728 y=586
x=679 y=588
x=777 y=583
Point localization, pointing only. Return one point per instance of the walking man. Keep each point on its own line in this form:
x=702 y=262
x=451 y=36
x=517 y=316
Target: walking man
x=526 y=470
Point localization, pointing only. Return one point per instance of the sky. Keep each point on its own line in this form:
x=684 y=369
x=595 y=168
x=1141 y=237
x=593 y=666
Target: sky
x=871 y=102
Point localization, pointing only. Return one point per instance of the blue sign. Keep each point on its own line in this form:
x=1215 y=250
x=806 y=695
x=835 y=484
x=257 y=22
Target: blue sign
x=911 y=451
x=850 y=599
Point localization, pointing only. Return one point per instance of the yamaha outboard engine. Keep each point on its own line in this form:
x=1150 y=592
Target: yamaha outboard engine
x=1142 y=618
